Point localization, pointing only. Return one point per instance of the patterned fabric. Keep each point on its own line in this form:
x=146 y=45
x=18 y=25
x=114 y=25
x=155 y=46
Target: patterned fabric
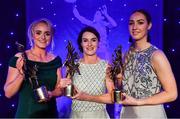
x=143 y=112
x=102 y=114
x=91 y=81
x=140 y=80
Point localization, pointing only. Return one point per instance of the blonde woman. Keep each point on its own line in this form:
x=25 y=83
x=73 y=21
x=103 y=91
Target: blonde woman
x=40 y=34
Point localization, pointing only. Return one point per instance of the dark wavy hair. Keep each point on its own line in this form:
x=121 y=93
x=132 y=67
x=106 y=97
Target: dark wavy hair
x=86 y=29
x=148 y=18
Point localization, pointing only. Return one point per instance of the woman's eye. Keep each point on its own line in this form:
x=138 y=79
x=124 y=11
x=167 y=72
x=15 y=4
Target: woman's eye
x=38 y=33
x=131 y=23
x=48 y=34
x=84 y=40
x=140 y=22
x=94 y=40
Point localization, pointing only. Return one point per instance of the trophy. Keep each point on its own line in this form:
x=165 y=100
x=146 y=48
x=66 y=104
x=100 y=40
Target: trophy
x=40 y=92
x=72 y=67
x=116 y=69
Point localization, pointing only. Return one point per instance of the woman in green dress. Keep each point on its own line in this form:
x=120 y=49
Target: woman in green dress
x=40 y=35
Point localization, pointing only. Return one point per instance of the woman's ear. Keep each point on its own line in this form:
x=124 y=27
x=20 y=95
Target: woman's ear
x=150 y=25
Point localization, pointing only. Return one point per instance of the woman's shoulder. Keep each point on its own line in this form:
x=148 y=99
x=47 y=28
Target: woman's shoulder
x=54 y=57
x=104 y=62
x=158 y=57
x=13 y=59
x=156 y=51
x=19 y=54
x=51 y=55
x=158 y=54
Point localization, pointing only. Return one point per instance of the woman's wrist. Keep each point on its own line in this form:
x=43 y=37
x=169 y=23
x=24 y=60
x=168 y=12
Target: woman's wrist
x=20 y=72
x=140 y=102
x=20 y=76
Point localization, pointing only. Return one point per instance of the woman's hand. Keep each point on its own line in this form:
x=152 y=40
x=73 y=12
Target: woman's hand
x=55 y=93
x=49 y=95
x=59 y=90
x=128 y=100
x=64 y=82
x=79 y=95
x=19 y=65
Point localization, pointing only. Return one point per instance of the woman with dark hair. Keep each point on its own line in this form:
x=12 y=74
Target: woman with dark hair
x=48 y=74
x=148 y=80
x=92 y=84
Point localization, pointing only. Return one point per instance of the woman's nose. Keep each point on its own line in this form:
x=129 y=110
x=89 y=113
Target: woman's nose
x=43 y=36
x=135 y=26
x=89 y=43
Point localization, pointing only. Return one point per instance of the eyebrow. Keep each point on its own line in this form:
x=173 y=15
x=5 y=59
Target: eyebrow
x=41 y=31
x=137 y=20
x=141 y=20
x=91 y=38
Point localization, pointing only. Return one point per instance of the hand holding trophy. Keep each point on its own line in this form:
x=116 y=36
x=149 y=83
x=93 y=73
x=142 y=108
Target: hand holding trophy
x=72 y=66
x=116 y=69
x=40 y=92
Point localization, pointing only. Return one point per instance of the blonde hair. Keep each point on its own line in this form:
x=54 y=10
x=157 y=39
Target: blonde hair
x=31 y=28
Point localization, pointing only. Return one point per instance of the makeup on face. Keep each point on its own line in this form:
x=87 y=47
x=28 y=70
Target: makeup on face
x=89 y=43
x=138 y=26
x=42 y=35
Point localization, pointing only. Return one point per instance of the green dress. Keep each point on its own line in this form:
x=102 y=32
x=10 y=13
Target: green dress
x=47 y=75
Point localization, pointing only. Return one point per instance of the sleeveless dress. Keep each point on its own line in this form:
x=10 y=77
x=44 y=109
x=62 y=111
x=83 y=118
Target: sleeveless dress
x=140 y=81
x=91 y=81
x=28 y=107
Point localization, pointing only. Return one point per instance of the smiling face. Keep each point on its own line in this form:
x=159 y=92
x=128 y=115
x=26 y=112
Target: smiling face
x=89 y=43
x=139 y=26
x=42 y=35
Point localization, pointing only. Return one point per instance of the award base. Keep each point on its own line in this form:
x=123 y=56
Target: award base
x=69 y=91
x=117 y=96
x=41 y=94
